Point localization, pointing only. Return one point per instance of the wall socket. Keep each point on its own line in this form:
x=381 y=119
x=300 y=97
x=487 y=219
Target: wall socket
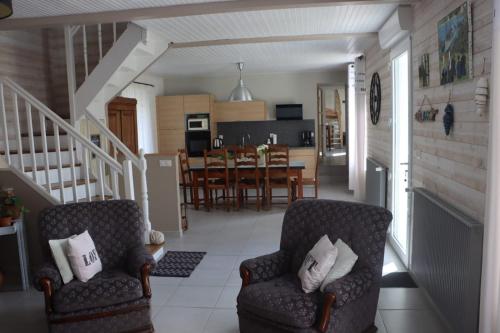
x=165 y=163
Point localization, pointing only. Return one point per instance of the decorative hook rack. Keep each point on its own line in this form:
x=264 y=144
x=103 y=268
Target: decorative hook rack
x=426 y=115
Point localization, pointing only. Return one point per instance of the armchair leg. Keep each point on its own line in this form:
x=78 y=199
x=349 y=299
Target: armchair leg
x=245 y=277
x=47 y=292
x=328 y=302
x=146 y=287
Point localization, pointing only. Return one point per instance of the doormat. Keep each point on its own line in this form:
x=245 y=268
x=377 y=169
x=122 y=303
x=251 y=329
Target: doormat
x=177 y=264
x=398 y=280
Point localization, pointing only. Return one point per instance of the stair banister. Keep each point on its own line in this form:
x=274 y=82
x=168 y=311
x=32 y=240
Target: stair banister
x=4 y=121
x=61 y=123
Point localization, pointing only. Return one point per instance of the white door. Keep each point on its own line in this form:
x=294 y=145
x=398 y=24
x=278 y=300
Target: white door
x=401 y=150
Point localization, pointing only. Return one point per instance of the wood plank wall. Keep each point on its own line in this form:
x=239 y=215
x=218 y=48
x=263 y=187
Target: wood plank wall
x=452 y=167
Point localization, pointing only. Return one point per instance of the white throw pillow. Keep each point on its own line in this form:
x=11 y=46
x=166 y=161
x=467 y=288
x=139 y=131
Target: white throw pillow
x=83 y=257
x=317 y=264
x=59 y=247
x=343 y=265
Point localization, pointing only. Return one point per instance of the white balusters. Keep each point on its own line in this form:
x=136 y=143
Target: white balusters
x=18 y=133
x=72 y=166
x=45 y=150
x=85 y=55
x=128 y=178
x=114 y=32
x=4 y=124
x=31 y=142
x=100 y=179
x=114 y=184
x=86 y=167
x=59 y=163
x=99 y=40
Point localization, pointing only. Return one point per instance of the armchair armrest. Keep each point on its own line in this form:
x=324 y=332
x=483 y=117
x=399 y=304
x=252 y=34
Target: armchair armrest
x=140 y=263
x=264 y=268
x=47 y=279
x=50 y=272
x=351 y=287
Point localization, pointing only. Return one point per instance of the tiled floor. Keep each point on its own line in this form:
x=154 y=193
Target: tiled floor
x=205 y=302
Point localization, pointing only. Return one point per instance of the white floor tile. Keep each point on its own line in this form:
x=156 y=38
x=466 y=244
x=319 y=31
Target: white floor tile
x=227 y=298
x=222 y=321
x=218 y=262
x=401 y=298
x=412 y=321
x=161 y=294
x=195 y=296
x=207 y=277
x=234 y=279
x=181 y=320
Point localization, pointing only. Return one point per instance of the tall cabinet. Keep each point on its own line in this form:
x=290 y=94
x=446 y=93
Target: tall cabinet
x=171 y=114
x=122 y=121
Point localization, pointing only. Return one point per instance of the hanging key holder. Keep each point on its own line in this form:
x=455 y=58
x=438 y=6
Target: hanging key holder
x=426 y=115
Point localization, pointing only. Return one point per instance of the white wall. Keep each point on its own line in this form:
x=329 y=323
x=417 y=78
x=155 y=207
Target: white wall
x=273 y=88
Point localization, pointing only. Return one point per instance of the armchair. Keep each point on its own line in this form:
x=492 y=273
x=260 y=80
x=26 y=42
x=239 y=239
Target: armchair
x=271 y=298
x=114 y=300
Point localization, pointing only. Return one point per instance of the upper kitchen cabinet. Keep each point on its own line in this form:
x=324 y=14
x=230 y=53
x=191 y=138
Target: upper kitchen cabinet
x=170 y=112
x=197 y=104
x=239 y=111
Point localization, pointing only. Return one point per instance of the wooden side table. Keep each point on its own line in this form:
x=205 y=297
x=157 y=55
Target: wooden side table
x=17 y=228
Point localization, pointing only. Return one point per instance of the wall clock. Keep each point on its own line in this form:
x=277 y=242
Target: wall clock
x=375 y=98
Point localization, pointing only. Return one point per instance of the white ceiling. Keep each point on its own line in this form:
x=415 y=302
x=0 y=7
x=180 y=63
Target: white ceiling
x=265 y=57
x=38 y=8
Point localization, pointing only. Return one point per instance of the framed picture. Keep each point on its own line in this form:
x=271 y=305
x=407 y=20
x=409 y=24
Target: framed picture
x=423 y=71
x=455 y=45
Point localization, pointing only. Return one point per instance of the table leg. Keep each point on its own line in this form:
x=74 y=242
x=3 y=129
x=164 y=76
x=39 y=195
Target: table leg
x=23 y=260
x=300 y=184
x=196 y=192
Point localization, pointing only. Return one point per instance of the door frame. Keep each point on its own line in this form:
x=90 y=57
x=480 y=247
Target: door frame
x=404 y=45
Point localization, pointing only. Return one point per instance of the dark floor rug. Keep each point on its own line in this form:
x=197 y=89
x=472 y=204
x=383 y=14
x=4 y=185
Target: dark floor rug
x=177 y=264
x=398 y=280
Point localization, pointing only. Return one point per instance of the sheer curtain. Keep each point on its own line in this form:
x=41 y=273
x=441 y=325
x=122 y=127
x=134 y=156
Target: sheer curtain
x=490 y=293
x=357 y=131
x=146 y=115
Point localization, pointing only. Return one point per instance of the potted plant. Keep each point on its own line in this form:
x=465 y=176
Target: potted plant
x=11 y=207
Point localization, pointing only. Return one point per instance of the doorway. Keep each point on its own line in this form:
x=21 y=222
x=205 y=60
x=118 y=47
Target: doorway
x=401 y=138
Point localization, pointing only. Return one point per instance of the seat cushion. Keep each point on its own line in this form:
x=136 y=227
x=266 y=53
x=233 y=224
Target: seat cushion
x=281 y=300
x=105 y=288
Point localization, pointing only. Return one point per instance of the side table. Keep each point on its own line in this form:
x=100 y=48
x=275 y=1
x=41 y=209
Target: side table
x=17 y=228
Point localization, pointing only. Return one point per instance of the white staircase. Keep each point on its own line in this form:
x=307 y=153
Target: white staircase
x=57 y=156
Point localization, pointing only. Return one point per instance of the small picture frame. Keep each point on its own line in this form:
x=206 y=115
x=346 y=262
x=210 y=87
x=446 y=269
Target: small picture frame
x=423 y=71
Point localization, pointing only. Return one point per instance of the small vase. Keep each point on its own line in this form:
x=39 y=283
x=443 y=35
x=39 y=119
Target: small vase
x=6 y=221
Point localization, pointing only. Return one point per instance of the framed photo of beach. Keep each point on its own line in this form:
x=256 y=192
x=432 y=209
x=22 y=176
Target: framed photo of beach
x=455 y=45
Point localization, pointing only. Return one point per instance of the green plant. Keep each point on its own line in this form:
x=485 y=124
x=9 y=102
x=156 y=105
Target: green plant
x=11 y=205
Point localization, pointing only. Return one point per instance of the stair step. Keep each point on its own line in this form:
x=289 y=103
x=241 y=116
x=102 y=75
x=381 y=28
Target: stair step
x=69 y=183
x=51 y=167
x=47 y=133
x=37 y=151
x=97 y=198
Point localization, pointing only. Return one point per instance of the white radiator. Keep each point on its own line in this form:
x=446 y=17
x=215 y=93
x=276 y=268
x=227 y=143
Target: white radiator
x=376 y=183
x=446 y=259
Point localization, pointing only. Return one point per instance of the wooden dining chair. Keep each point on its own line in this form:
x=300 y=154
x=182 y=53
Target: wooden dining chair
x=186 y=176
x=246 y=174
x=278 y=171
x=314 y=181
x=216 y=177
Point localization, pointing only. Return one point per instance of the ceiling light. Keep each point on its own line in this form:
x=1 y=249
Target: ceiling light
x=5 y=8
x=240 y=93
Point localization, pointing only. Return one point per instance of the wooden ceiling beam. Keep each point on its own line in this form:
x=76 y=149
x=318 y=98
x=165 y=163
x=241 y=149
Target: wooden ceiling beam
x=272 y=39
x=206 y=8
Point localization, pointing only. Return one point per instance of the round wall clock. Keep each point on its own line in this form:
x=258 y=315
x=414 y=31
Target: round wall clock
x=375 y=98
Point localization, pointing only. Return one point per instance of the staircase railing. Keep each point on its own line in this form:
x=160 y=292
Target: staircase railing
x=31 y=156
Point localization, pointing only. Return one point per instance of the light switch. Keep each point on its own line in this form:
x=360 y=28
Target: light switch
x=165 y=163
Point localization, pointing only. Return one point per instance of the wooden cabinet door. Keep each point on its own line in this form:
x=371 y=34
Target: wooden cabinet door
x=170 y=112
x=196 y=104
x=122 y=121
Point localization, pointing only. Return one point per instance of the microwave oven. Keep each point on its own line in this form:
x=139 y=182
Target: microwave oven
x=198 y=124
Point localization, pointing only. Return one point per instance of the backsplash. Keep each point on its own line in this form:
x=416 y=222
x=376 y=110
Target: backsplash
x=288 y=131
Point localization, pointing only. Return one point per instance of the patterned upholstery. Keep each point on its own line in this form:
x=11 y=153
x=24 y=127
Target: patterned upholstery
x=116 y=228
x=106 y=288
x=266 y=304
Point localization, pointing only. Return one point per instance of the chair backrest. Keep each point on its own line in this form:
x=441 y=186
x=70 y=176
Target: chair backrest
x=360 y=226
x=246 y=162
x=277 y=156
x=186 y=177
x=215 y=163
x=115 y=226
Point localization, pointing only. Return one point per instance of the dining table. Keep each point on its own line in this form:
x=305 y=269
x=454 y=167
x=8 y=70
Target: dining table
x=198 y=173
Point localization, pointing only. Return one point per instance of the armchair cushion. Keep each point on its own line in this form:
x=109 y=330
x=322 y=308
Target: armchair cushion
x=265 y=268
x=50 y=271
x=136 y=258
x=281 y=300
x=105 y=288
x=352 y=286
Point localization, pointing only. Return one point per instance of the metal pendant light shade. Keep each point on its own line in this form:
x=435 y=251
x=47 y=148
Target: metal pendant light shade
x=5 y=8
x=240 y=93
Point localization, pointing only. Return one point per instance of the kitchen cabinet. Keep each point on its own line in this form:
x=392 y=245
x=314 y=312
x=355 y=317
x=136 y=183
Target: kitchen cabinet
x=171 y=114
x=308 y=156
x=239 y=111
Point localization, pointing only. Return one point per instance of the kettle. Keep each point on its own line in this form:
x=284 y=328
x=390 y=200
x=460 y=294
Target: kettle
x=218 y=143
